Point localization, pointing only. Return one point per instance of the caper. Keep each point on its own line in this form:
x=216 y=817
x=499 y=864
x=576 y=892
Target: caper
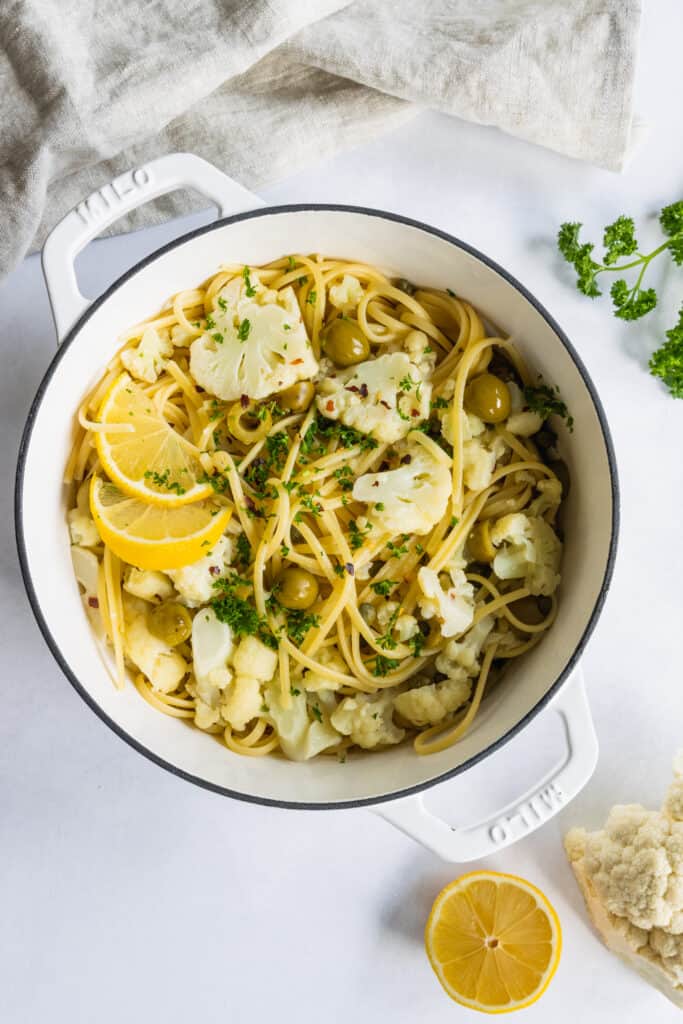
x=298 y=397
x=344 y=342
x=559 y=468
x=488 y=398
x=479 y=546
x=527 y=610
x=170 y=622
x=296 y=588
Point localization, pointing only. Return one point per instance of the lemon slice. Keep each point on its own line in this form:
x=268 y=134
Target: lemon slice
x=152 y=462
x=494 y=941
x=153 y=537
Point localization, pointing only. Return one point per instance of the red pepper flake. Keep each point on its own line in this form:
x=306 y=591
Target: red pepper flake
x=385 y=404
x=93 y=602
x=414 y=412
x=244 y=401
x=352 y=387
x=350 y=568
x=376 y=483
x=295 y=362
x=214 y=570
x=329 y=405
x=363 y=391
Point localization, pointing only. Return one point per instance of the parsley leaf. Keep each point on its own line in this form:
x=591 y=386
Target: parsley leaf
x=383 y=587
x=249 y=288
x=667 y=362
x=243 y=330
x=546 y=401
x=384 y=665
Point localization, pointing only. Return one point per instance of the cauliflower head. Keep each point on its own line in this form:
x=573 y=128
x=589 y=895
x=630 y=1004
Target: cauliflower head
x=384 y=397
x=315 y=682
x=421 y=351
x=256 y=346
x=367 y=719
x=253 y=658
x=242 y=701
x=414 y=496
x=212 y=646
x=194 y=583
x=631 y=875
x=147 y=584
x=149 y=357
x=347 y=294
x=528 y=547
x=470 y=425
x=430 y=704
x=463 y=655
x=479 y=457
x=453 y=605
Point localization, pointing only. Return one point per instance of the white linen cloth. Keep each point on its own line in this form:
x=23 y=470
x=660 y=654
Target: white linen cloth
x=89 y=88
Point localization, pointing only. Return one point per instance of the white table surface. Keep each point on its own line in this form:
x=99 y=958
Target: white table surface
x=126 y=894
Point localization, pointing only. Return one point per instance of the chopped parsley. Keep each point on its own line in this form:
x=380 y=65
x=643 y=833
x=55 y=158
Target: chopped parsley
x=345 y=476
x=383 y=587
x=311 y=297
x=317 y=712
x=416 y=644
x=162 y=480
x=243 y=330
x=546 y=401
x=379 y=506
x=249 y=288
x=284 y=550
x=210 y=323
x=384 y=665
x=222 y=304
x=291 y=263
x=357 y=535
x=299 y=622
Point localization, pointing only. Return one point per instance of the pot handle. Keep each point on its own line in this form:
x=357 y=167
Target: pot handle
x=459 y=844
x=117 y=198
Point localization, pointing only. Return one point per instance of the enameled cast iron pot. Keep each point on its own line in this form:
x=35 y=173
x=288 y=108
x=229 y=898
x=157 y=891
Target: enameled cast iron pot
x=249 y=232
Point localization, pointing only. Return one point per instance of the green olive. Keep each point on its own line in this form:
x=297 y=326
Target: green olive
x=488 y=398
x=298 y=397
x=559 y=468
x=296 y=588
x=170 y=622
x=479 y=546
x=527 y=610
x=344 y=342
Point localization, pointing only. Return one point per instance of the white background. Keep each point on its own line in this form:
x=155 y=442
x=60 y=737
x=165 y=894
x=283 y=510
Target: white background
x=128 y=895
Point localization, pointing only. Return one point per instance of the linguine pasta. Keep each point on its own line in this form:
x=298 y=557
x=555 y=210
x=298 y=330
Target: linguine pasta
x=391 y=544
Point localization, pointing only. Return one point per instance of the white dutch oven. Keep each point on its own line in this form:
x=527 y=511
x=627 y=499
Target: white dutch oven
x=251 y=233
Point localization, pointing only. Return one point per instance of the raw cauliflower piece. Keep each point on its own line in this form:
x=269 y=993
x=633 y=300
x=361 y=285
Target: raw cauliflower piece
x=147 y=584
x=414 y=495
x=149 y=357
x=527 y=547
x=212 y=646
x=479 y=458
x=347 y=294
x=631 y=876
x=429 y=705
x=242 y=701
x=384 y=397
x=254 y=347
x=161 y=664
x=82 y=529
x=300 y=737
x=253 y=658
x=454 y=606
x=463 y=655
x=194 y=583
x=314 y=682
x=421 y=351
x=367 y=719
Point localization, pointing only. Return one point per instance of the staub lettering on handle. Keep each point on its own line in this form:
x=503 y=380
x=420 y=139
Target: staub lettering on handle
x=105 y=200
x=528 y=815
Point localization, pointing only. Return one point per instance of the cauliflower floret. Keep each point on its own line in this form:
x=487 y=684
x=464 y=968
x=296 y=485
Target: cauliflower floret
x=314 y=682
x=367 y=719
x=631 y=876
x=405 y=627
x=300 y=736
x=463 y=655
x=147 y=584
x=386 y=612
x=194 y=583
x=479 y=458
x=242 y=701
x=421 y=351
x=527 y=547
x=384 y=397
x=82 y=529
x=429 y=704
x=149 y=357
x=454 y=606
x=181 y=337
x=253 y=658
x=548 y=499
x=347 y=294
x=86 y=571
x=163 y=666
x=253 y=347
x=205 y=715
x=211 y=649
x=414 y=496
x=470 y=425
x=524 y=424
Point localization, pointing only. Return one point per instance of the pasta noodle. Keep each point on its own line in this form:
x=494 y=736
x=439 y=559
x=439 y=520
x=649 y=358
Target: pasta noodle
x=391 y=634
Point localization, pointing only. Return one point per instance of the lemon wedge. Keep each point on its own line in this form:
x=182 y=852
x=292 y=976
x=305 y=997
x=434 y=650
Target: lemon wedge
x=494 y=941
x=151 y=536
x=152 y=462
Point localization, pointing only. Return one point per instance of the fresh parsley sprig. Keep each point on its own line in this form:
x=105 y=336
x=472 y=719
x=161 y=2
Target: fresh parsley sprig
x=631 y=301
